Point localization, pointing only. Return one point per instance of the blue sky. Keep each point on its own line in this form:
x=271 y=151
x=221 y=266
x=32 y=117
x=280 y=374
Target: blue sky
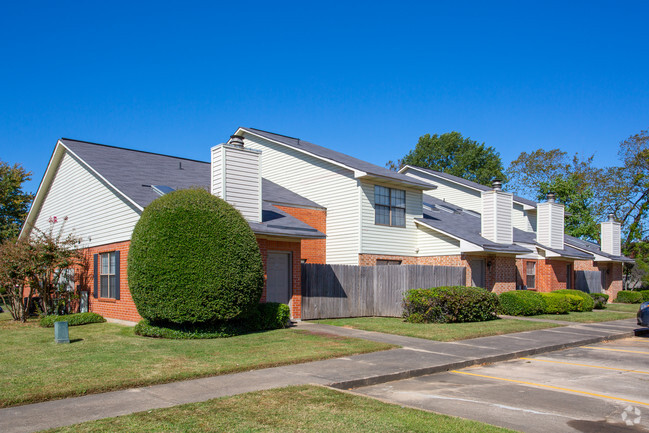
x=366 y=78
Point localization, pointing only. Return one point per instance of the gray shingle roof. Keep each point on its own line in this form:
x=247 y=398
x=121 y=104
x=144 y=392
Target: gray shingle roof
x=594 y=248
x=568 y=252
x=341 y=158
x=470 y=184
x=133 y=172
x=463 y=225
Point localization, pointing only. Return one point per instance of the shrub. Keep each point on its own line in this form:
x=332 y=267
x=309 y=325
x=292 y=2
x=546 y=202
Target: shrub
x=586 y=303
x=555 y=303
x=600 y=300
x=453 y=304
x=194 y=259
x=629 y=297
x=267 y=316
x=72 y=319
x=521 y=303
x=645 y=295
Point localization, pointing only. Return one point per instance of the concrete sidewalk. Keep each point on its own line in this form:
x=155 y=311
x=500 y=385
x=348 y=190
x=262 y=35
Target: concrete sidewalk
x=416 y=357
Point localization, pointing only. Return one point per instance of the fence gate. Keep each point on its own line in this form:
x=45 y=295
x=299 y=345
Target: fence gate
x=589 y=281
x=330 y=291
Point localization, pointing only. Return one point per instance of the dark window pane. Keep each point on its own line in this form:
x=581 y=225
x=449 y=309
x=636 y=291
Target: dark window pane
x=530 y=281
x=398 y=198
x=104 y=286
x=382 y=215
x=111 y=286
x=398 y=217
x=382 y=195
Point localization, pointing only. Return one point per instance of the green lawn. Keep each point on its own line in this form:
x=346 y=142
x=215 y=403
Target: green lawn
x=629 y=308
x=293 y=409
x=105 y=356
x=588 y=316
x=438 y=331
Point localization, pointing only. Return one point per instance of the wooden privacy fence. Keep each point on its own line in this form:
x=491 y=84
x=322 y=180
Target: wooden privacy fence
x=353 y=291
x=589 y=281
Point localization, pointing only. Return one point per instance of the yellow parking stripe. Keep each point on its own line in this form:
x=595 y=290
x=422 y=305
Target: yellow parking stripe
x=587 y=365
x=615 y=350
x=552 y=387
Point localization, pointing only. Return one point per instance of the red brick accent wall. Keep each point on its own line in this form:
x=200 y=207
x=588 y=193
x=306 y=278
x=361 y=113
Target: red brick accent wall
x=313 y=250
x=499 y=277
x=266 y=245
x=550 y=274
x=124 y=308
x=613 y=273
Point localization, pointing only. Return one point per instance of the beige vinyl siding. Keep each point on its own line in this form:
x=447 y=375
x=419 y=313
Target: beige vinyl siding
x=95 y=211
x=216 y=168
x=611 y=238
x=243 y=182
x=453 y=193
x=496 y=215
x=327 y=184
x=531 y=220
x=550 y=225
x=389 y=240
x=519 y=218
x=432 y=243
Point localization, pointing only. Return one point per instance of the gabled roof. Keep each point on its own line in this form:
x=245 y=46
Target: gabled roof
x=133 y=173
x=470 y=184
x=362 y=168
x=567 y=252
x=461 y=224
x=594 y=248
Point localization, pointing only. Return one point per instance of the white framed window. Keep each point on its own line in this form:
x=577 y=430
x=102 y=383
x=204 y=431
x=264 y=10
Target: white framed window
x=530 y=275
x=107 y=275
x=389 y=206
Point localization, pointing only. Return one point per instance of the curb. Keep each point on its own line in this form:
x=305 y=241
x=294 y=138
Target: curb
x=409 y=374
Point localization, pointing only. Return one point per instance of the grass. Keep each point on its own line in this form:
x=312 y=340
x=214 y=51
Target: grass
x=629 y=308
x=295 y=409
x=105 y=356
x=588 y=316
x=438 y=331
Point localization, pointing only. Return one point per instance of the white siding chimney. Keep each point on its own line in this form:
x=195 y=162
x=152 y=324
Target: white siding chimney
x=236 y=177
x=496 y=217
x=549 y=223
x=611 y=236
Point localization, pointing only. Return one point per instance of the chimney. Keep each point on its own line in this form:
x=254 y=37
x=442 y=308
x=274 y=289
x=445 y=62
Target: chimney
x=496 y=217
x=611 y=236
x=549 y=223
x=236 y=177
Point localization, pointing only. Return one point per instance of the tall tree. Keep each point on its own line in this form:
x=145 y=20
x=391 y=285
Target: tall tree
x=453 y=154
x=14 y=202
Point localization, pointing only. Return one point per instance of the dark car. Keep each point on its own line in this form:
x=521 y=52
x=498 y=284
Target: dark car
x=1 y=310
x=643 y=314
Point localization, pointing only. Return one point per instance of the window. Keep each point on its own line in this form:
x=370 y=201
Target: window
x=530 y=277
x=390 y=206
x=106 y=275
x=388 y=262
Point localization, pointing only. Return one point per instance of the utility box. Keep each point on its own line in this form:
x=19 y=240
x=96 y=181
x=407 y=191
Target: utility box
x=61 y=334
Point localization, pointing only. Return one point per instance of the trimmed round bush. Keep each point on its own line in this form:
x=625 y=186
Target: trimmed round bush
x=555 y=303
x=600 y=299
x=629 y=297
x=193 y=259
x=521 y=303
x=455 y=304
x=586 y=303
x=267 y=316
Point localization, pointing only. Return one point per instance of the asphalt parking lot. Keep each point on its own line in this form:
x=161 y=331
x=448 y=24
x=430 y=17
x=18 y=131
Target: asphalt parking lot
x=598 y=388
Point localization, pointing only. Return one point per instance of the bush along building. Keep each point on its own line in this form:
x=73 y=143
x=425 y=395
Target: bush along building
x=307 y=203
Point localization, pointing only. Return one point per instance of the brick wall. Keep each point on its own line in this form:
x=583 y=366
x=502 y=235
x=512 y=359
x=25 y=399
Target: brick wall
x=613 y=272
x=499 y=277
x=266 y=245
x=550 y=274
x=313 y=250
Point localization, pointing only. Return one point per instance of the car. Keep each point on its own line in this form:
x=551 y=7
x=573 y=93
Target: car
x=643 y=314
x=1 y=310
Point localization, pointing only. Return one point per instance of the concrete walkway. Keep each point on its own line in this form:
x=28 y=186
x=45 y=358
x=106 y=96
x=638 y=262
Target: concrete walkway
x=416 y=357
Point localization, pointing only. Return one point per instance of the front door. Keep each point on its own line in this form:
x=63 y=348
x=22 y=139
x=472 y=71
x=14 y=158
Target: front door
x=569 y=276
x=477 y=273
x=278 y=281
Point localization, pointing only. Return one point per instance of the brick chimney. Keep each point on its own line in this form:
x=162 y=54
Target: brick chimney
x=496 y=217
x=549 y=223
x=236 y=177
x=611 y=236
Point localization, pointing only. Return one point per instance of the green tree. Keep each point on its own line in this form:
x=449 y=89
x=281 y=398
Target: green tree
x=14 y=202
x=453 y=154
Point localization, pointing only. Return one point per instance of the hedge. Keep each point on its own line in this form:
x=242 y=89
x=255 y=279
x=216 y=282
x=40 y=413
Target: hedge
x=454 y=304
x=194 y=259
x=521 y=303
x=556 y=303
x=629 y=297
x=586 y=303
x=645 y=295
x=72 y=319
x=600 y=300
x=267 y=316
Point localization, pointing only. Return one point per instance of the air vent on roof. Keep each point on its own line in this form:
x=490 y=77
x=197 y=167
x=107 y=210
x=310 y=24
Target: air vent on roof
x=162 y=189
